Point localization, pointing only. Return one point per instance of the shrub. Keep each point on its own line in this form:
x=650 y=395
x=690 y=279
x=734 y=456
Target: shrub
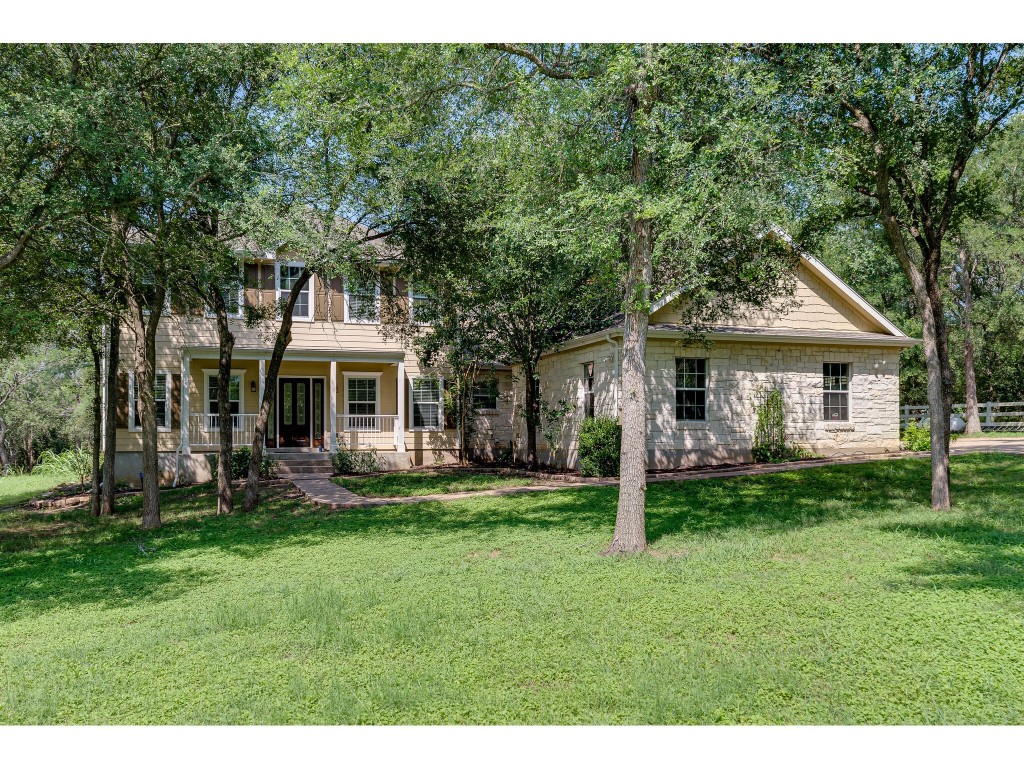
x=347 y=462
x=599 y=445
x=770 y=430
x=917 y=437
x=75 y=461
x=240 y=458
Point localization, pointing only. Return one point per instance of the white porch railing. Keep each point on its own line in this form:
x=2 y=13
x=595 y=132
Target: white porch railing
x=995 y=417
x=367 y=431
x=204 y=428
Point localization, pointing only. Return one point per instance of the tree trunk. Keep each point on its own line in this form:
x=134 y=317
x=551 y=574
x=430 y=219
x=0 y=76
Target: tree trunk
x=532 y=415
x=630 y=519
x=970 y=382
x=924 y=280
x=226 y=339
x=284 y=338
x=145 y=372
x=95 y=345
x=938 y=406
x=110 y=425
x=5 y=461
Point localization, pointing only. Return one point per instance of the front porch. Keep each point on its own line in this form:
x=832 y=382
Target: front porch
x=351 y=401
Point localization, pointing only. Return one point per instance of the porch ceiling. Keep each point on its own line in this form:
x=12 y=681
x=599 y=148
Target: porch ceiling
x=305 y=354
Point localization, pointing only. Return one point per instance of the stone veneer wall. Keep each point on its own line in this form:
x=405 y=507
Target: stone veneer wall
x=736 y=372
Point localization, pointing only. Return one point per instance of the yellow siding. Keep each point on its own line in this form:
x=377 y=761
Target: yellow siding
x=815 y=306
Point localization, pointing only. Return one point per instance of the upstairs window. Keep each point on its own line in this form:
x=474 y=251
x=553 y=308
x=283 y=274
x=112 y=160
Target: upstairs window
x=287 y=276
x=362 y=300
x=485 y=395
x=691 y=388
x=419 y=306
x=234 y=299
x=588 y=390
x=836 y=389
x=427 y=410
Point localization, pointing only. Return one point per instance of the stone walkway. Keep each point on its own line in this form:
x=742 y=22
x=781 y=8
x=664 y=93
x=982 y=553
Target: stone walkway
x=322 y=491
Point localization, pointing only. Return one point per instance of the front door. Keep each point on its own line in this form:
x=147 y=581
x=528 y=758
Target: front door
x=293 y=425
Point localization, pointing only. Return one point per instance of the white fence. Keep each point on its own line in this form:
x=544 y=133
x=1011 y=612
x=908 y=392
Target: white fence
x=367 y=431
x=995 y=417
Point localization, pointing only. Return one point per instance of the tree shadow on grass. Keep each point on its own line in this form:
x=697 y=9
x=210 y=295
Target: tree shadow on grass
x=989 y=556
x=106 y=563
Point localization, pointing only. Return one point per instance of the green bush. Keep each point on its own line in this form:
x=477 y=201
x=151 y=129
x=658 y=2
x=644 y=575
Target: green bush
x=919 y=438
x=770 y=430
x=346 y=462
x=599 y=445
x=240 y=458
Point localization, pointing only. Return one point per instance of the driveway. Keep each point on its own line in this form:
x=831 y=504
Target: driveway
x=988 y=445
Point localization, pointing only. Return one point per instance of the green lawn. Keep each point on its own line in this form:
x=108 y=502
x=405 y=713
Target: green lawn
x=428 y=482
x=18 y=488
x=832 y=595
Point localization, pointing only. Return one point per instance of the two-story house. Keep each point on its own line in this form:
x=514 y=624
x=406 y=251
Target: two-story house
x=344 y=384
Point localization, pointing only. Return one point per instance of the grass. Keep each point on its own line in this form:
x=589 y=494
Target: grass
x=425 y=483
x=832 y=595
x=16 y=489
x=994 y=434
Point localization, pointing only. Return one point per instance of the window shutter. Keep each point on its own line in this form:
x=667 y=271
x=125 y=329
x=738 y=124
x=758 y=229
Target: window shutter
x=121 y=418
x=320 y=298
x=267 y=281
x=337 y=300
x=175 y=395
x=252 y=284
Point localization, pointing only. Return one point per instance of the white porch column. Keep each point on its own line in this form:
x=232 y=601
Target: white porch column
x=334 y=405
x=186 y=359
x=400 y=420
x=262 y=386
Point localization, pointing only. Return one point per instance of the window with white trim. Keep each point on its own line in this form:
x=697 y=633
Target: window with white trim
x=234 y=299
x=427 y=404
x=835 y=386
x=287 y=276
x=588 y=390
x=161 y=393
x=419 y=305
x=691 y=388
x=362 y=300
x=212 y=404
x=362 y=396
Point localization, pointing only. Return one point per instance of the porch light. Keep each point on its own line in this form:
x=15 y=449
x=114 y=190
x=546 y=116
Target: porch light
x=252 y=386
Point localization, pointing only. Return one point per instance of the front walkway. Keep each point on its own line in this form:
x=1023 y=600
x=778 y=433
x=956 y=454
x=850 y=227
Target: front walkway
x=321 y=490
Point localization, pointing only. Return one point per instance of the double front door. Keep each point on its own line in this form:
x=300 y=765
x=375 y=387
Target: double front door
x=300 y=412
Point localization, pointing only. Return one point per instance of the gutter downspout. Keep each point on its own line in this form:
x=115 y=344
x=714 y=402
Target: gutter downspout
x=615 y=375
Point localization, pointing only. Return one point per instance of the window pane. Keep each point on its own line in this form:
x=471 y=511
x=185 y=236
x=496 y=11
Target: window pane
x=362 y=396
x=300 y=404
x=426 y=399
x=286 y=406
x=362 y=299
x=691 y=388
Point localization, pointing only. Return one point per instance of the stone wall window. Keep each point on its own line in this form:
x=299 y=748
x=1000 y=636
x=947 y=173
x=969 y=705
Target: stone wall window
x=588 y=390
x=836 y=389
x=691 y=388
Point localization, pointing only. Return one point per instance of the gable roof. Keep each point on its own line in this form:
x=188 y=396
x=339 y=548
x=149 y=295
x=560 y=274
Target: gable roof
x=891 y=337
x=827 y=276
